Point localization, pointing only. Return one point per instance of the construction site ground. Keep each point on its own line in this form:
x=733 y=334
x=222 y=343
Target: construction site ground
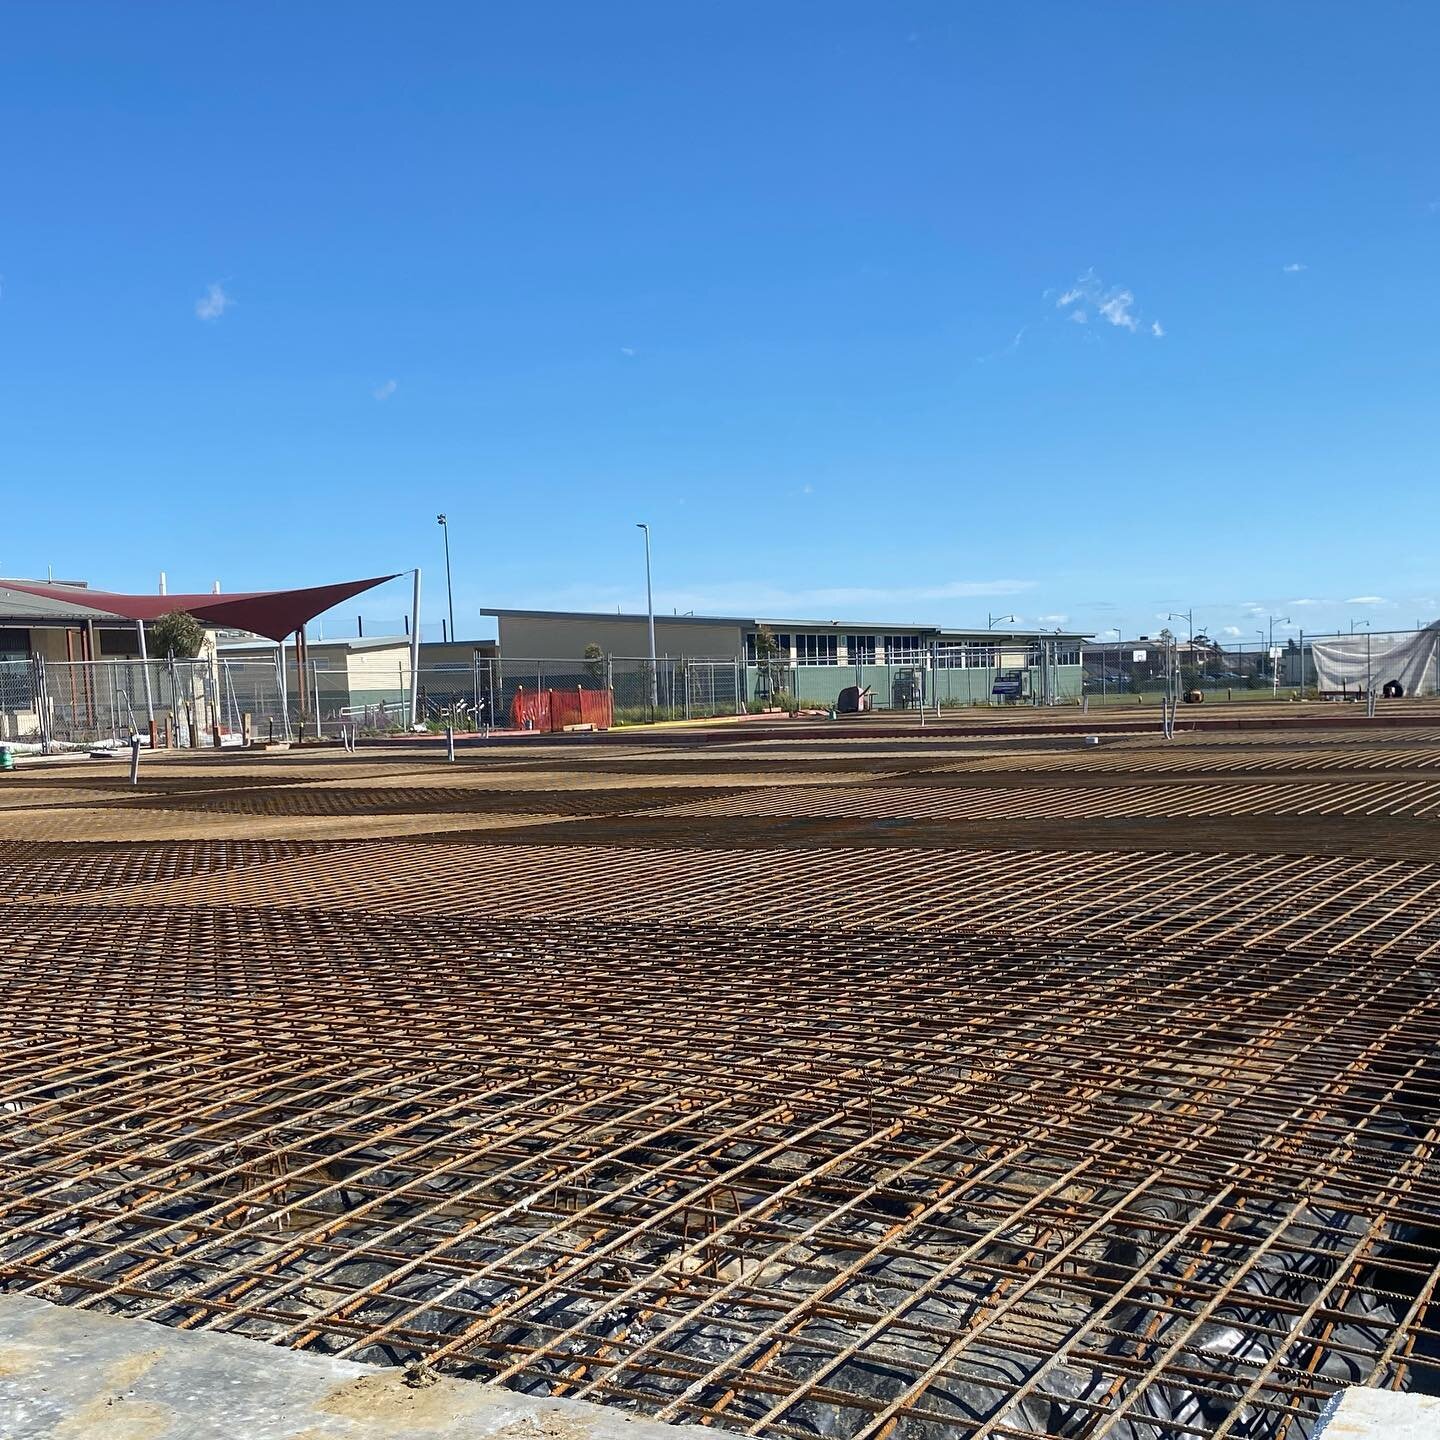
x=808 y=1081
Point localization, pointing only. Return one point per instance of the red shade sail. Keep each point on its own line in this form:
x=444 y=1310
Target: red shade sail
x=272 y=613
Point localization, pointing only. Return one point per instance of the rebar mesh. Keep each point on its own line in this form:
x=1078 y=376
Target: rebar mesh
x=835 y=1142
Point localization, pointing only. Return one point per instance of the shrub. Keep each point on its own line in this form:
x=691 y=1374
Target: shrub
x=177 y=633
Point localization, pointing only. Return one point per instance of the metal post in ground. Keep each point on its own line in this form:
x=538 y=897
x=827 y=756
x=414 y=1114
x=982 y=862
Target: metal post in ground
x=415 y=654
x=315 y=697
x=145 y=673
x=450 y=743
x=280 y=689
x=40 y=684
x=650 y=612
x=134 y=759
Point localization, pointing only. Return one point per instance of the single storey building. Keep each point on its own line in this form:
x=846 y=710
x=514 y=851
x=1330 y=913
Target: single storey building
x=897 y=664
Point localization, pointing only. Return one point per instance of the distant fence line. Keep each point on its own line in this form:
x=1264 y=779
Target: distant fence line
x=207 y=701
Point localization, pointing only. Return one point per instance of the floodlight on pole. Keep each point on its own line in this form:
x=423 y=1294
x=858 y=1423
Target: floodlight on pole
x=1366 y=623
x=444 y=524
x=1270 y=653
x=991 y=621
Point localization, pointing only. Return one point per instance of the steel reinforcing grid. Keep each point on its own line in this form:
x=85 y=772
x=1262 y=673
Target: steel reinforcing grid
x=827 y=1140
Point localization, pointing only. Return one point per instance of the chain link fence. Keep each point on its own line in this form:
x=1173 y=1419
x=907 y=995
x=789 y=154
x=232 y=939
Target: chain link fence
x=1145 y=671
x=1347 y=665
x=200 y=702
x=63 y=703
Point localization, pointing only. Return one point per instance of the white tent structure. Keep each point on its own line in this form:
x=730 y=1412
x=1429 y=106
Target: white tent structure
x=1365 y=663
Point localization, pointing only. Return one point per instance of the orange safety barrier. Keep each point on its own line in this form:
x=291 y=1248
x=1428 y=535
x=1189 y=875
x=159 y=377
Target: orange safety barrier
x=553 y=710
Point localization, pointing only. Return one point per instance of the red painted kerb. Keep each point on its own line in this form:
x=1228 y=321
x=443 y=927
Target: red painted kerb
x=271 y=613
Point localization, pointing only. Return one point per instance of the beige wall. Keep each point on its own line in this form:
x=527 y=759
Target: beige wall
x=533 y=638
x=456 y=652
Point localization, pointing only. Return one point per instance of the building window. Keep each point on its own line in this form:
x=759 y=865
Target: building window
x=782 y=650
x=1067 y=654
x=902 y=649
x=815 y=650
x=118 y=643
x=861 y=649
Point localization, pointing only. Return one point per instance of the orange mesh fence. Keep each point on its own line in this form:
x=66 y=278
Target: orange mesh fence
x=555 y=709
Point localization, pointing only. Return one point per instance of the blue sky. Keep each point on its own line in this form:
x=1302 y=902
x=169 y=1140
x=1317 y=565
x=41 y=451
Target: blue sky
x=801 y=284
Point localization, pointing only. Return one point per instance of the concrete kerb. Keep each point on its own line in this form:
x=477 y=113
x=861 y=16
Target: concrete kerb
x=86 y=1376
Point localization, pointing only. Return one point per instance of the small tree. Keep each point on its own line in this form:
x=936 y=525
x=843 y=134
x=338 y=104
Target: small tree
x=178 y=633
x=595 y=664
x=767 y=651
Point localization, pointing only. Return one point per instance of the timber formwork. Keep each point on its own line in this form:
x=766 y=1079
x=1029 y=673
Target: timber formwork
x=840 y=1141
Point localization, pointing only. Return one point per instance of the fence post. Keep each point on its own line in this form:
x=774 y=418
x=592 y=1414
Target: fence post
x=145 y=673
x=40 y=684
x=134 y=759
x=280 y=694
x=315 y=697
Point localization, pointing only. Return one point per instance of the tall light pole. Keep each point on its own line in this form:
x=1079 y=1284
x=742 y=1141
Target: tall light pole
x=991 y=621
x=1270 y=652
x=650 y=611
x=415 y=653
x=1188 y=616
x=1354 y=623
x=444 y=524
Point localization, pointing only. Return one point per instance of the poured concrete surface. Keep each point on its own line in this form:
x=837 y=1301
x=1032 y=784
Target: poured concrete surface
x=1381 y=1415
x=75 y=1375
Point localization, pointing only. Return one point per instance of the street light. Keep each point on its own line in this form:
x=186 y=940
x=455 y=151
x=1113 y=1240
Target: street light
x=1188 y=616
x=1105 y=665
x=1270 y=653
x=650 y=610
x=444 y=524
x=991 y=621
x=1354 y=623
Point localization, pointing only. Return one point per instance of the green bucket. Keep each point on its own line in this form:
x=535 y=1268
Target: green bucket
x=7 y=758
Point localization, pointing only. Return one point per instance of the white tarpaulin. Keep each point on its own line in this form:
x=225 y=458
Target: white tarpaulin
x=1364 y=662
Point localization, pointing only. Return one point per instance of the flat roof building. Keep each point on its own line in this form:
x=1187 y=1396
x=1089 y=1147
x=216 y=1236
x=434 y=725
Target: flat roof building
x=898 y=663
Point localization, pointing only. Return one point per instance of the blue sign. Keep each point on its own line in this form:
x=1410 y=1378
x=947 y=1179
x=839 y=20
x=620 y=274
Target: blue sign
x=1006 y=687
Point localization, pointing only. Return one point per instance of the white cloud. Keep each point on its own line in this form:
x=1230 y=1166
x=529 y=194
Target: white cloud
x=213 y=303
x=1114 y=304
x=1052 y=619
x=807 y=489
x=385 y=389
x=1365 y=600
x=1009 y=349
x=627 y=351
x=1116 y=308
x=1308 y=601
x=1231 y=630
x=1294 y=268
